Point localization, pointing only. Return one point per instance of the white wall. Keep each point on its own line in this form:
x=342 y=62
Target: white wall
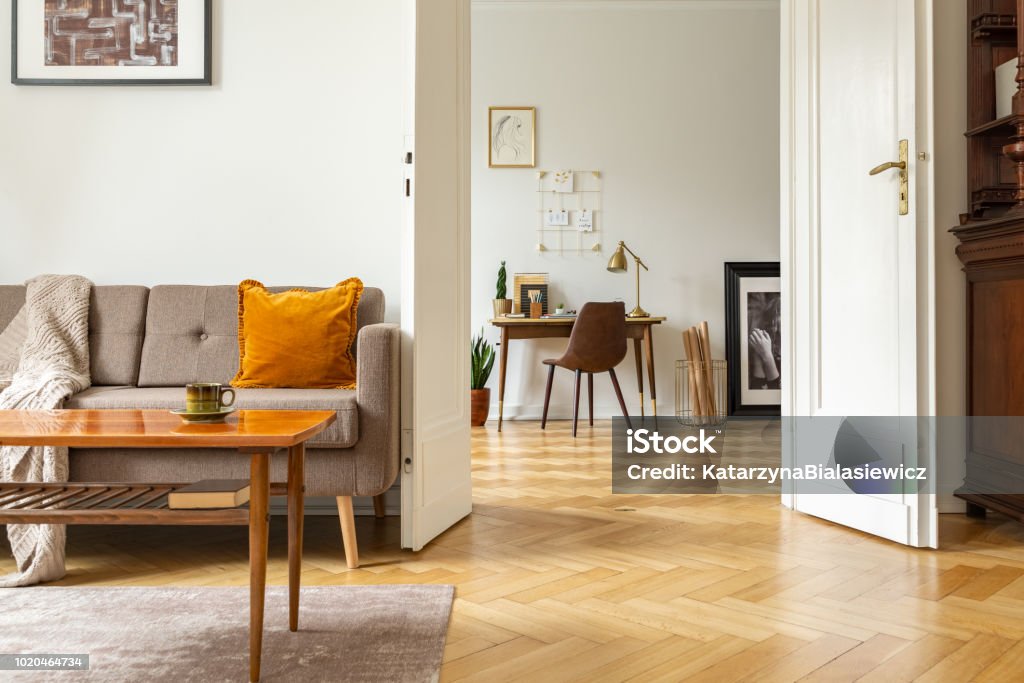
x=285 y=170
x=682 y=122
x=950 y=160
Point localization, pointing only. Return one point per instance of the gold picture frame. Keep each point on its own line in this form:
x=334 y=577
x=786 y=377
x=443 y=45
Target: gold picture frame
x=512 y=137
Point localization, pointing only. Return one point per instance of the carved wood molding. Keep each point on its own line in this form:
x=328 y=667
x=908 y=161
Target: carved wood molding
x=989 y=241
x=998 y=249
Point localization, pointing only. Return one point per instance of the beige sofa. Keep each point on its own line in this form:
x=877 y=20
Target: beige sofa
x=146 y=344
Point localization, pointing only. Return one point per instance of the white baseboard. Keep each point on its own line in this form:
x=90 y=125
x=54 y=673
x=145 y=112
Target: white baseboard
x=602 y=411
x=362 y=506
x=947 y=503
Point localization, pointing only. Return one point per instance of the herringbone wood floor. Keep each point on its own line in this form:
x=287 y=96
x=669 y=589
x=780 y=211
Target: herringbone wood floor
x=558 y=580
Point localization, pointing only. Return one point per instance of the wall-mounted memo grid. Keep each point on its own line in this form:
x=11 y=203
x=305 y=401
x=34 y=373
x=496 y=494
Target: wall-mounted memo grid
x=569 y=211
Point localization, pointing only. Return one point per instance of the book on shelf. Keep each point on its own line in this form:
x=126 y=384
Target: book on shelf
x=210 y=493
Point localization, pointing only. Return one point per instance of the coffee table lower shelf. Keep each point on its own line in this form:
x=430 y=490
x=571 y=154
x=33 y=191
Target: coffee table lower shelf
x=113 y=503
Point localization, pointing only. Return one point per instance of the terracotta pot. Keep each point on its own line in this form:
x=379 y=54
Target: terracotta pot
x=479 y=406
x=502 y=307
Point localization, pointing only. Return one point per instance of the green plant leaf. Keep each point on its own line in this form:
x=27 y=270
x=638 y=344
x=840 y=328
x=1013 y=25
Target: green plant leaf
x=481 y=360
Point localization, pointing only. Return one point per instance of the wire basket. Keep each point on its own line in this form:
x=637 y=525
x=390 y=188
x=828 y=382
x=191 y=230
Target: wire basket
x=701 y=392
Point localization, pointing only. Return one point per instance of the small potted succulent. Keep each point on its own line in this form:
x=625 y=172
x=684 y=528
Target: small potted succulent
x=560 y=309
x=482 y=358
x=502 y=304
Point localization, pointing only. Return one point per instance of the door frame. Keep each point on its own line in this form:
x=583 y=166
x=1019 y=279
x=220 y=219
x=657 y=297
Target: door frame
x=794 y=174
x=798 y=212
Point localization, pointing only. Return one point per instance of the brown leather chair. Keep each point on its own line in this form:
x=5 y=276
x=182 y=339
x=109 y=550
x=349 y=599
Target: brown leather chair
x=597 y=343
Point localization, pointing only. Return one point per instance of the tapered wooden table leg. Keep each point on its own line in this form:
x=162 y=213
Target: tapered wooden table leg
x=638 y=356
x=649 y=343
x=296 y=511
x=502 y=365
x=259 y=527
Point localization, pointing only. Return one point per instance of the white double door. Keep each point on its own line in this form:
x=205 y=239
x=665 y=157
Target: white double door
x=856 y=274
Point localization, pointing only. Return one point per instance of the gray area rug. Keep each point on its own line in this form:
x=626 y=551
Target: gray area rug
x=346 y=633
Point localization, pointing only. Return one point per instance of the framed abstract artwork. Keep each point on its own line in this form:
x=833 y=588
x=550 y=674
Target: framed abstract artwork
x=753 y=337
x=111 y=42
x=512 y=137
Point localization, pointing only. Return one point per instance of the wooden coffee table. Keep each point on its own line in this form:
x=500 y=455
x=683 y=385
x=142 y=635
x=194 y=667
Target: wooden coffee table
x=257 y=433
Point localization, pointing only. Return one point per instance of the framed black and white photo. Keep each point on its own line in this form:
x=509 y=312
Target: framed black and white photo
x=111 y=42
x=512 y=137
x=753 y=337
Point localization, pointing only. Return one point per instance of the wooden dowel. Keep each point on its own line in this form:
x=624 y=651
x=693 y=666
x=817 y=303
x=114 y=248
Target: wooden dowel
x=704 y=337
x=157 y=494
x=702 y=388
x=691 y=380
x=135 y=494
x=107 y=496
x=693 y=352
x=90 y=492
x=60 y=496
x=24 y=501
x=14 y=495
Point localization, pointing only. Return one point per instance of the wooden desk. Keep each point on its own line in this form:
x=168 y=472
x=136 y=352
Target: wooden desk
x=254 y=433
x=637 y=329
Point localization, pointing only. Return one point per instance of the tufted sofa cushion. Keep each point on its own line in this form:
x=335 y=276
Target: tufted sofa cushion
x=117 y=323
x=191 y=336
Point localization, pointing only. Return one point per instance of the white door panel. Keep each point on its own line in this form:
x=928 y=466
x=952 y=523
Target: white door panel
x=851 y=262
x=436 y=469
x=859 y=343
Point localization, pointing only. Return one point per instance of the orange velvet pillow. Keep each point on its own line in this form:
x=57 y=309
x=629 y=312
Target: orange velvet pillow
x=297 y=338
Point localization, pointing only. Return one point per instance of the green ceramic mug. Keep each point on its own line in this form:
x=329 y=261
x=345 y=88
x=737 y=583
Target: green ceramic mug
x=207 y=397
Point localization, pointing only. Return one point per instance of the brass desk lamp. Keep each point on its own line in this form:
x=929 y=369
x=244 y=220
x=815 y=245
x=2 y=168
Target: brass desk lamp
x=618 y=264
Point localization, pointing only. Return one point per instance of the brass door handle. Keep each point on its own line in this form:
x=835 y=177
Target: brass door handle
x=902 y=165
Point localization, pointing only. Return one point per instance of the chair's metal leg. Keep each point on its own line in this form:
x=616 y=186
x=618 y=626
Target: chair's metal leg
x=547 y=397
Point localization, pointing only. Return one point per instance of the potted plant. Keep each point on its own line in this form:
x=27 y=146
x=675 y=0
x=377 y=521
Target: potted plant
x=560 y=309
x=502 y=305
x=482 y=357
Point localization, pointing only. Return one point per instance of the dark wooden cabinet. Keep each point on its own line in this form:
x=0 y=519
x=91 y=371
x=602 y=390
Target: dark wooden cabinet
x=991 y=249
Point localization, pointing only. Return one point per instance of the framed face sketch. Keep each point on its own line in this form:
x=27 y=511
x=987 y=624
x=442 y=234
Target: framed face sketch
x=753 y=337
x=111 y=42
x=512 y=137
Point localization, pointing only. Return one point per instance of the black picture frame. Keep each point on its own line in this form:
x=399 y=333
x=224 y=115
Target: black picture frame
x=734 y=273
x=206 y=79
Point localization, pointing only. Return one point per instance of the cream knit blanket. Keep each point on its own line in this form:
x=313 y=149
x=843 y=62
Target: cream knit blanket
x=54 y=364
